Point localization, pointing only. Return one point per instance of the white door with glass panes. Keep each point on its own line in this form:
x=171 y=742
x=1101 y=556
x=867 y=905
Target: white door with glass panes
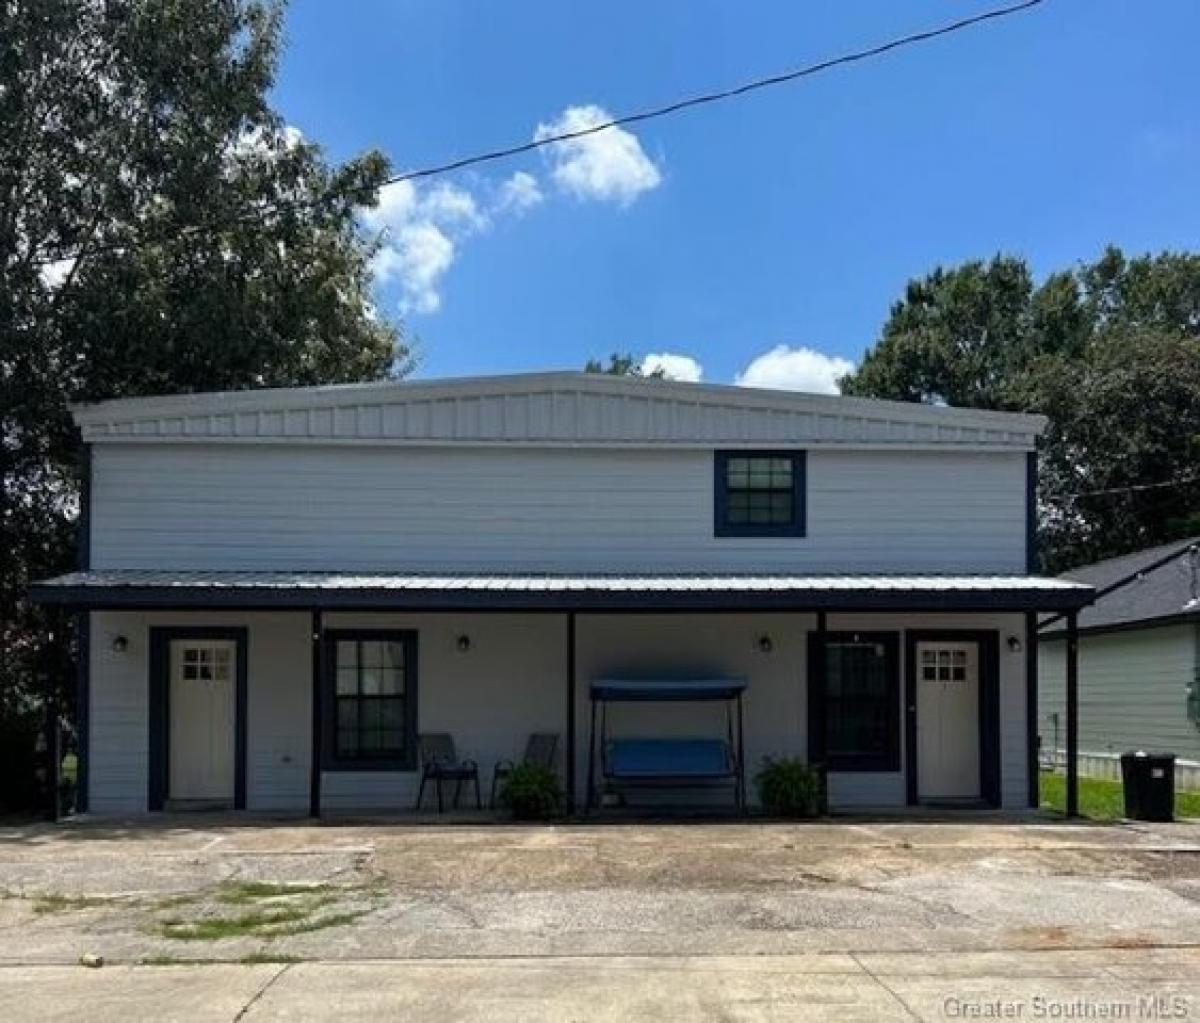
x=202 y=703
x=948 y=720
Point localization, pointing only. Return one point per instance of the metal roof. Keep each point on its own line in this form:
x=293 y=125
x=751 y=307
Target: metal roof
x=562 y=408
x=524 y=591
x=1162 y=593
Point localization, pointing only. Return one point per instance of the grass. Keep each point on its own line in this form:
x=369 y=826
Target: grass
x=1104 y=800
x=261 y=958
x=63 y=903
x=268 y=910
x=247 y=893
x=253 y=959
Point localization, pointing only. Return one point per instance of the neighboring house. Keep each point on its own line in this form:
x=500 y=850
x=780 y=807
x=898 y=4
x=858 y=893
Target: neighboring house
x=1139 y=663
x=283 y=588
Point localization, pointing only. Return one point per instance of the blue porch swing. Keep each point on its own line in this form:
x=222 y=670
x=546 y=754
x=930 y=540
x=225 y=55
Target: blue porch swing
x=662 y=762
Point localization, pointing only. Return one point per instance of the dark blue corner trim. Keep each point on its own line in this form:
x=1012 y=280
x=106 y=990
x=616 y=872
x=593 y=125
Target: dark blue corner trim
x=83 y=538
x=1031 y=548
x=797 y=527
x=160 y=709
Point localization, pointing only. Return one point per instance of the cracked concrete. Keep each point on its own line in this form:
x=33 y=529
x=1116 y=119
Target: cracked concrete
x=484 y=922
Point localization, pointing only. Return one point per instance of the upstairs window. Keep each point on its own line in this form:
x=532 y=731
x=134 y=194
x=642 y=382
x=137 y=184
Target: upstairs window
x=759 y=493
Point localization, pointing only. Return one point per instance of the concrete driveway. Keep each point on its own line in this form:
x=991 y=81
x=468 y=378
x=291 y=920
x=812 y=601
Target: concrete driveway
x=199 y=918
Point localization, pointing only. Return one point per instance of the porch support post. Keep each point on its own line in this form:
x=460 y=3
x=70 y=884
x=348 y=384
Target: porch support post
x=1031 y=709
x=1072 y=714
x=570 y=747
x=314 y=783
x=83 y=697
x=816 y=707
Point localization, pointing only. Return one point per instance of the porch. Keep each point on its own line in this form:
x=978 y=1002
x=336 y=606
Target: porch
x=839 y=671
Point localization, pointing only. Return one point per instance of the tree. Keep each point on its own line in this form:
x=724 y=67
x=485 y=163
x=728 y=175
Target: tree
x=1109 y=350
x=161 y=230
x=622 y=365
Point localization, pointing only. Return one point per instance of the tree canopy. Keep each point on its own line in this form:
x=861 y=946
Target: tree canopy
x=622 y=364
x=1110 y=351
x=162 y=229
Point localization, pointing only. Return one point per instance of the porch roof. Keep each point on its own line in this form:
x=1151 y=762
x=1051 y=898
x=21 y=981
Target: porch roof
x=155 y=588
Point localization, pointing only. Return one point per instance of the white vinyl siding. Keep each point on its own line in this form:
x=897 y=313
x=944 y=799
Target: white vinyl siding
x=1132 y=691
x=209 y=506
x=278 y=708
x=511 y=682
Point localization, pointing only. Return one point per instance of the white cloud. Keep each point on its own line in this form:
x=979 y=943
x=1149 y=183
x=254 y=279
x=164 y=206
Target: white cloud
x=519 y=193
x=416 y=256
x=422 y=227
x=674 y=367
x=452 y=206
x=609 y=165
x=419 y=230
x=795 y=369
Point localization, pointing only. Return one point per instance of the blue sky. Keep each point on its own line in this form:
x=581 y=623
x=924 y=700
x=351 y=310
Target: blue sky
x=790 y=218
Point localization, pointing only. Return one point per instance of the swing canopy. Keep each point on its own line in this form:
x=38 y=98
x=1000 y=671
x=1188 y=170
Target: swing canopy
x=669 y=690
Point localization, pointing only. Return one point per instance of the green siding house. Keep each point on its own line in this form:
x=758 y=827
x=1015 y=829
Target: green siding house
x=1139 y=664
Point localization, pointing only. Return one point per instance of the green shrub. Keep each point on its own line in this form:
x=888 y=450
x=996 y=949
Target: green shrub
x=788 y=787
x=533 y=793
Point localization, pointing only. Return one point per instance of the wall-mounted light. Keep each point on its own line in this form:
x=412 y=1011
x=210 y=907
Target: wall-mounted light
x=1014 y=644
x=119 y=644
x=765 y=644
x=463 y=643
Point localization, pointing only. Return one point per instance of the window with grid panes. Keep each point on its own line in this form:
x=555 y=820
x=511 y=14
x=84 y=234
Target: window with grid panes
x=760 y=493
x=372 y=687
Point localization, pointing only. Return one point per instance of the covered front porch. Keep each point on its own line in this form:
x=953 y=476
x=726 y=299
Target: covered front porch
x=906 y=691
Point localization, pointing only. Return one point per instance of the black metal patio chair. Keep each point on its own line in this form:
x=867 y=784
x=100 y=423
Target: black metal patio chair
x=439 y=763
x=541 y=749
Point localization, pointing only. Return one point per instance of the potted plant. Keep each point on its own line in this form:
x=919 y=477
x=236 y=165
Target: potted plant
x=532 y=792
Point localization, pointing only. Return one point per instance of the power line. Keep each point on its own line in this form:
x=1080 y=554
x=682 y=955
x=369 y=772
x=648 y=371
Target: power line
x=1132 y=488
x=638 y=117
x=716 y=97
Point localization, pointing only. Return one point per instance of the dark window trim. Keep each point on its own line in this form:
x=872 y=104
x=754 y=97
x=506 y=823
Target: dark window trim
x=889 y=760
x=330 y=761
x=161 y=638
x=988 y=641
x=798 y=526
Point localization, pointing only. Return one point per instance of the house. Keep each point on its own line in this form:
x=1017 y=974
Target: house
x=282 y=589
x=1139 y=663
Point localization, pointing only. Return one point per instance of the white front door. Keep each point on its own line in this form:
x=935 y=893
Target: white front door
x=203 y=714
x=948 y=720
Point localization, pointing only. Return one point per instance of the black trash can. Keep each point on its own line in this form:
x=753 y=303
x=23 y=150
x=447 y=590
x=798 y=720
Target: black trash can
x=1149 y=780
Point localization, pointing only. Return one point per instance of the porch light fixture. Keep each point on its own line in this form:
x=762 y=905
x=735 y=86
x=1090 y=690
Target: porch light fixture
x=119 y=644
x=765 y=644
x=463 y=643
x=1014 y=644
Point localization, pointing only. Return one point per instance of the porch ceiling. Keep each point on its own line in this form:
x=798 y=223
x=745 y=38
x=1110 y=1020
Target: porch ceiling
x=137 y=588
